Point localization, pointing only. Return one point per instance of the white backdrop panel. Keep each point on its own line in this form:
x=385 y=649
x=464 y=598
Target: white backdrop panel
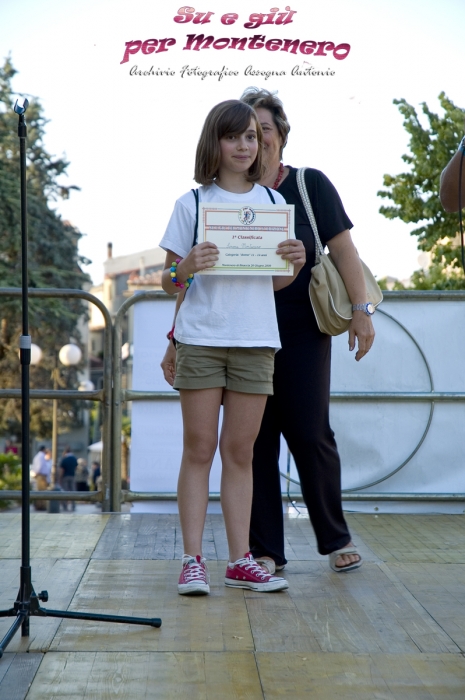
x=373 y=438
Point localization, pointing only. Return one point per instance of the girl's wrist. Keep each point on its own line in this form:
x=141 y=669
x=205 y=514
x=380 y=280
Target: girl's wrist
x=181 y=270
x=179 y=277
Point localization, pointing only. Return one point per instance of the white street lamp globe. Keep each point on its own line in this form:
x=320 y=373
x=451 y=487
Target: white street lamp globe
x=70 y=355
x=86 y=385
x=36 y=354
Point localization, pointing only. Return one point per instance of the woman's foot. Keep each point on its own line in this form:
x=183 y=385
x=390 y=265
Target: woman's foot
x=345 y=559
x=269 y=564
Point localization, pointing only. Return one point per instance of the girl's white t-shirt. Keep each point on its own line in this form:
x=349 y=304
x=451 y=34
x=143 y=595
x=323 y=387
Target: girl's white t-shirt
x=222 y=310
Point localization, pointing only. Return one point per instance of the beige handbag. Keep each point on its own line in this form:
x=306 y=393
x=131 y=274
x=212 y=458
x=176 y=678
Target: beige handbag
x=328 y=295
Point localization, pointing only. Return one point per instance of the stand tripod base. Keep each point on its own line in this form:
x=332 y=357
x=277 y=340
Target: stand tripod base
x=23 y=610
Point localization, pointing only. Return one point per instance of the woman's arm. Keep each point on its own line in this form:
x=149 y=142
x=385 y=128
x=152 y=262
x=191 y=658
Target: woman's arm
x=294 y=251
x=348 y=263
x=449 y=187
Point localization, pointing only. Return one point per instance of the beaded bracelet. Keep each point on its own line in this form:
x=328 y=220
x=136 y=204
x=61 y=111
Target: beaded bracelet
x=174 y=279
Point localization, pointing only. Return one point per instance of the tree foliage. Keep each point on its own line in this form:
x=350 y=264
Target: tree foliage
x=415 y=193
x=52 y=257
x=10 y=475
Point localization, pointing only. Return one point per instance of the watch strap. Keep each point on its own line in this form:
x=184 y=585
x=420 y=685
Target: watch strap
x=363 y=307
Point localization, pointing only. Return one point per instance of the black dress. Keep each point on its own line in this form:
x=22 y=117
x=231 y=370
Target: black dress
x=299 y=408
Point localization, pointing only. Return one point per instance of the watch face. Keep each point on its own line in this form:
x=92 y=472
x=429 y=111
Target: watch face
x=370 y=309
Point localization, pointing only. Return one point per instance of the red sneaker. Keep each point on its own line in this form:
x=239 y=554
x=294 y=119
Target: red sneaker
x=246 y=573
x=194 y=577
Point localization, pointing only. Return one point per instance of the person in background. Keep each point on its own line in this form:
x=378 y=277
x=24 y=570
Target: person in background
x=81 y=475
x=48 y=459
x=10 y=447
x=41 y=468
x=450 y=176
x=67 y=471
x=96 y=473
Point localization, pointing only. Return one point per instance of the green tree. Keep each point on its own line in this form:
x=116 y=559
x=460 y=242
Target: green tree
x=415 y=193
x=10 y=475
x=53 y=262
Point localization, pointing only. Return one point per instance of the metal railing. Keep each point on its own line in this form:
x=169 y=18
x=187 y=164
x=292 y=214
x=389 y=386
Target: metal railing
x=103 y=395
x=121 y=395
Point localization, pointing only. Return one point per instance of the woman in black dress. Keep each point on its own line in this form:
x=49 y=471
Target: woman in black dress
x=299 y=408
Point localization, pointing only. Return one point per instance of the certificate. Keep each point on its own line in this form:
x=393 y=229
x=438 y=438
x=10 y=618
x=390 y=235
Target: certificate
x=247 y=237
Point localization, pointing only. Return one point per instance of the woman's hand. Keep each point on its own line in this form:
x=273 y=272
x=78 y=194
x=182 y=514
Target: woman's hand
x=200 y=257
x=361 y=328
x=348 y=264
x=168 y=364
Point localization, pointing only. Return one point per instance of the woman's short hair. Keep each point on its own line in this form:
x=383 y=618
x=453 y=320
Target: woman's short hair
x=259 y=98
x=229 y=117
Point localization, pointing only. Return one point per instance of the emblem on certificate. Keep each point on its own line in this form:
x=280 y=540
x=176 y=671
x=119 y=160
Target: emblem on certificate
x=247 y=216
x=247 y=237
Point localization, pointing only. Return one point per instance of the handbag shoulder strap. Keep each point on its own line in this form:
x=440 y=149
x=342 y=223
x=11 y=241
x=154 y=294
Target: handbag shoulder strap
x=319 y=249
x=196 y=230
x=270 y=194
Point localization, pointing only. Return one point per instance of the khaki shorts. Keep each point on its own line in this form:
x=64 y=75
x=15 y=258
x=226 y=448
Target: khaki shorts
x=248 y=370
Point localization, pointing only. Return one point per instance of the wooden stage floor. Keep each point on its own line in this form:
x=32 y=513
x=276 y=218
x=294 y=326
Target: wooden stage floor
x=395 y=629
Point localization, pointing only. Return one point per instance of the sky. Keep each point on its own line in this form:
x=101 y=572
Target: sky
x=131 y=139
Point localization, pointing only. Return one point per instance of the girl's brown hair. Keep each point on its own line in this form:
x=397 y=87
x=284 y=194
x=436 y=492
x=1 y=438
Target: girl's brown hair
x=229 y=117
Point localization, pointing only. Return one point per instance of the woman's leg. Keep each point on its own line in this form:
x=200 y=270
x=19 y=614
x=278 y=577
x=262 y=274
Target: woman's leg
x=302 y=376
x=267 y=522
x=241 y=423
x=200 y=411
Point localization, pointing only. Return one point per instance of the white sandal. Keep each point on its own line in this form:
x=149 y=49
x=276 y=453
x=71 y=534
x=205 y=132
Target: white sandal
x=269 y=564
x=350 y=567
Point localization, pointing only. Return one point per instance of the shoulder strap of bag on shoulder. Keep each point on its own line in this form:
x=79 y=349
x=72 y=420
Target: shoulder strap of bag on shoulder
x=196 y=230
x=319 y=249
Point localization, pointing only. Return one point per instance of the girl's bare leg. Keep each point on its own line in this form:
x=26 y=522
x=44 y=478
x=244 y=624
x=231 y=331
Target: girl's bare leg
x=200 y=411
x=241 y=422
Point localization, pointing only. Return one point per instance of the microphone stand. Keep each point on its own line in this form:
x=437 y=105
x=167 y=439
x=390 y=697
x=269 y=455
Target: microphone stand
x=27 y=602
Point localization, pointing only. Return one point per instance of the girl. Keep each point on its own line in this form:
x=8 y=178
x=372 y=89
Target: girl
x=226 y=337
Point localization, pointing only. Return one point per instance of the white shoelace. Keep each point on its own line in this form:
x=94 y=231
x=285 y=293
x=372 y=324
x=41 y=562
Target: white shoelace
x=253 y=567
x=194 y=571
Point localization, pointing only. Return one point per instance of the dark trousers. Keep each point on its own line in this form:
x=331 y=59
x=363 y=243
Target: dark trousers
x=67 y=484
x=299 y=409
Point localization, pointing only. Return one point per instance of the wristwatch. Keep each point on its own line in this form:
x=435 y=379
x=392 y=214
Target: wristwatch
x=368 y=308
